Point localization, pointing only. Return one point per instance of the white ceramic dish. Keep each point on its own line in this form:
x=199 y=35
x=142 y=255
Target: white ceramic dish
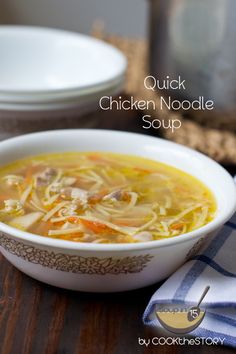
x=75 y=100
x=45 y=98
x=35 y=61
x=107 y=267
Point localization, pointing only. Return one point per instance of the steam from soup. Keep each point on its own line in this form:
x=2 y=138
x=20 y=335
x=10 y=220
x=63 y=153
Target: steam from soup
x=102 y=198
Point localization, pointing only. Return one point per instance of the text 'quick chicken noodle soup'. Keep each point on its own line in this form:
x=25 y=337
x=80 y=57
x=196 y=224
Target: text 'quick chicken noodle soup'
x=102 y=198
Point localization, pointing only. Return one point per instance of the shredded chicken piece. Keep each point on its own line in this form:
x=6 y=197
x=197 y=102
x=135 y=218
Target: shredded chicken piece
x=44 y=178
x=119 y=195
x=13 y=206
x=78 y=194
x=57 y=187
x=69 y=210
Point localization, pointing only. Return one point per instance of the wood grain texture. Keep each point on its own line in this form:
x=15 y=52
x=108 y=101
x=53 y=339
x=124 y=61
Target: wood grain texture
x=40 y=319
x=36 y=318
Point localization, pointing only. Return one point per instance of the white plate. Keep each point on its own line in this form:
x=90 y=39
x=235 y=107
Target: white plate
x=43 y=97
x=90 y=100
x=40 y=60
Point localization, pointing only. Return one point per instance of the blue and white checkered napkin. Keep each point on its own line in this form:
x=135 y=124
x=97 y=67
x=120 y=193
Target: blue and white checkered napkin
x=214 y=266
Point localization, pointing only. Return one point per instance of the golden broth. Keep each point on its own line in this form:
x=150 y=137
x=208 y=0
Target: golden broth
x=102 y=198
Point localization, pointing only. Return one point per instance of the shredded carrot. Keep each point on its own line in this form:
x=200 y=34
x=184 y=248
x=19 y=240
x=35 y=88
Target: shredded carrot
x=128 y=222
x=139 y=169
x=96 y=226
x=177 y=226
x=73 y=219
x=98 y=158
x=4 y=197
x=95 y=157
x=125 y=196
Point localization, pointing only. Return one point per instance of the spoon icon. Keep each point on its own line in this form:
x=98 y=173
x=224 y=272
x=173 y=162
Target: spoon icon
x=194 y=311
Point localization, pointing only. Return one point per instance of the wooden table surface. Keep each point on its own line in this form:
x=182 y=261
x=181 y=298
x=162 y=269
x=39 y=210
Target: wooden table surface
x=40 y=319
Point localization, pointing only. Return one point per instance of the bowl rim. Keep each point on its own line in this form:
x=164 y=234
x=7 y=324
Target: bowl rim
x=84 y=89
x=213 y=225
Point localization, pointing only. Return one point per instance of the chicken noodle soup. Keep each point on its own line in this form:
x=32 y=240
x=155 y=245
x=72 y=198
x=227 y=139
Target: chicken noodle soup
x=102 y=198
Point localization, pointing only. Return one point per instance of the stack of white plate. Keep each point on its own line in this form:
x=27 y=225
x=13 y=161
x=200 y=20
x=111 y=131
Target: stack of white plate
x=48 y=70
